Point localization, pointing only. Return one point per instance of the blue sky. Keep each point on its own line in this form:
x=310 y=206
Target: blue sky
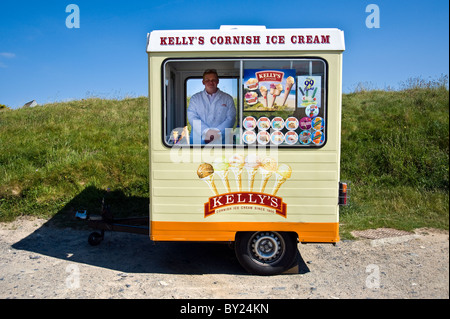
x=42 y=59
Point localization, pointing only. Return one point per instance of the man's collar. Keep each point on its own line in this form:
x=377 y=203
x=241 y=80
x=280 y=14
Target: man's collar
x=213 y=93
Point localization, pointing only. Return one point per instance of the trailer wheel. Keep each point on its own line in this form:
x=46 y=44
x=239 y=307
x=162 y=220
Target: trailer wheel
x=266 y=253
x=95 y=239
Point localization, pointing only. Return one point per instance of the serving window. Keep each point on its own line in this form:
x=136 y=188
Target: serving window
x=280 y=102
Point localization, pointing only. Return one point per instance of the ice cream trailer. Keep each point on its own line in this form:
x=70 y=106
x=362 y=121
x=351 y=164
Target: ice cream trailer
x=271 y=179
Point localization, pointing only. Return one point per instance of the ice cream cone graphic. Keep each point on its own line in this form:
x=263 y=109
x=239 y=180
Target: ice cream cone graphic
x=263 y=91
x=276 y=92
x=278 y=89
x=175 y=136
x=272 y=88
x=267 y=168
x=221 y=166
x=283 y=173
x=206 y=173
x=236 y=166
x=289 y=83
x=272 y=91
x=185 y=134
x=252 y=163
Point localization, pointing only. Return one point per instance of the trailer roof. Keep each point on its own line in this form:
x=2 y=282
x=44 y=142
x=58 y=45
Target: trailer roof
x=246 y=38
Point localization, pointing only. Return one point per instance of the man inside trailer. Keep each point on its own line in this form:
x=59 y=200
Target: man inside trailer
x=211 y=112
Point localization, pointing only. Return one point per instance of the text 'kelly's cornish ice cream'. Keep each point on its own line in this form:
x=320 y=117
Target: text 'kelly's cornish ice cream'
x=246 y=40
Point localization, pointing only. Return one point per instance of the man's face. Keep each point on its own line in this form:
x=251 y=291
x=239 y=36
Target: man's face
x=210 y=81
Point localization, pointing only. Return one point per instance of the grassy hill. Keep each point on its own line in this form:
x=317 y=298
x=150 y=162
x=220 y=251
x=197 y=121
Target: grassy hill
x=50 y=155
x=395 y=150
x=63 y=156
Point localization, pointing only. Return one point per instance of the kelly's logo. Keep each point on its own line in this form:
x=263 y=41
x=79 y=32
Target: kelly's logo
x=245 y=201
x=270 y=76
x=240 y=201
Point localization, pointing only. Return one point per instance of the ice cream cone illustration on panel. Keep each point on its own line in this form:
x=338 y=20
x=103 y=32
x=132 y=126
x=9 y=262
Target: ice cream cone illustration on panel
x=282 y=174
x=272 y=90
x=263 y=91
x=221 y=168
x=206 y=173
x=235 y=200
x=252 y=163
x=289 y=83
x=276 y=92
x=236 y=166
x=267 y=168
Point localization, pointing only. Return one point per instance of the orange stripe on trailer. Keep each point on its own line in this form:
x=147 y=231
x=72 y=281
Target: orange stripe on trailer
x=226 y=231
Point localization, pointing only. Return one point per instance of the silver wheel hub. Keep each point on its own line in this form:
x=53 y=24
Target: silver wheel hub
x=267 y=246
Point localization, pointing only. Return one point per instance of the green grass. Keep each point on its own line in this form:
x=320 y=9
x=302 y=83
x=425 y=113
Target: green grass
x=63 y=156
x=50 y=154
x=395 y=153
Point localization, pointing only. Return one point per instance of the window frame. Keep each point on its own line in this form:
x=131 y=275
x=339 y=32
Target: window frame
x=240 y=103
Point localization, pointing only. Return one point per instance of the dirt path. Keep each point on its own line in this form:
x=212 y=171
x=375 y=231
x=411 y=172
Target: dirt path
x=38 y=261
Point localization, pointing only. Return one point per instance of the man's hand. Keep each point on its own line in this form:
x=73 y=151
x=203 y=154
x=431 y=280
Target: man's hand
x=212 y=135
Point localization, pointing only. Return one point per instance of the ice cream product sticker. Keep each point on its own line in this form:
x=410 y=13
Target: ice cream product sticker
x=312 y=110
x=249 y=123
x=263 y=123
x=277 y=123
x=305 y=123
x=318 y=137
x=317 y=123
x=249 y=137
x=252 y=84
x=263 y=137
x=276 y=89
x=305 y=137
x=309 y=90
x=291 y=123
x=291 y=138
x=277 y=138
x=251 y=98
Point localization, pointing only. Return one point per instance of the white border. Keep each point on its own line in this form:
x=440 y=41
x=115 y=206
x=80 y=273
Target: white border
x=246 y=39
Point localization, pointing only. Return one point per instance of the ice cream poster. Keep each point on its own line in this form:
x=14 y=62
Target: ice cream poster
x=309 y=91
x=269 y=90
x=240 y=191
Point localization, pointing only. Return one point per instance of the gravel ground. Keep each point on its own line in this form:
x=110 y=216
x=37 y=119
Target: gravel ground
x=40 y=261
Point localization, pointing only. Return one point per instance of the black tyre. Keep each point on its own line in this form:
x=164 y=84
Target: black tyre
x=266 y=253
x=95 y=239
